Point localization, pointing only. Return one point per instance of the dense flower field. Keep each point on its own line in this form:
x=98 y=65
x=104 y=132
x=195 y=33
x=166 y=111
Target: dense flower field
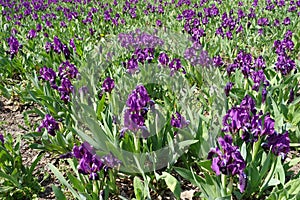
x=162 y=92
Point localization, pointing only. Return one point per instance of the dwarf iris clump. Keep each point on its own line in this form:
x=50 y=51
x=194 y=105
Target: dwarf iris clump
x=50 y=124
x=14 y=46
x=229 y=161
x=178 y=121
x=279 y=144
x=90 y=163
x=48 y=74
x=66 y=72
x=137 y=108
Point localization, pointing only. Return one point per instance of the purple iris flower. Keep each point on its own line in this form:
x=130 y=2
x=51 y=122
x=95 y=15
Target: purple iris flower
x=57 y=44
x=65 y=89
x=218 y=61
x=269 y=124
x=38 y=27
x=14 y=46
x=178 y=121
x=263 y=21
x=48 y=74
x=279 y=144
x=67 y=69
x=137 y=108
x=50 y=124
x=229 y=161
x=291 y=96
x=108 y=85
x=48 y=47
x=284 y=64
x=258 y=78
x=163 y=59
x=90 y=163
x=72 y=44
x=228 y=88
x=132 y=66
x=286 y=21
x=158 y=23
x=175 y=65
x=1 y=138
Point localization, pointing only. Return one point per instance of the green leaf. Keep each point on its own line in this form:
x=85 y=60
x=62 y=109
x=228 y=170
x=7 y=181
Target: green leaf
x=5 y=189
x=33 y=165
x=172 y=184
x=76 y=183
x=138 y=188
x=62 y=179
x=10 y=178
x=59 y=195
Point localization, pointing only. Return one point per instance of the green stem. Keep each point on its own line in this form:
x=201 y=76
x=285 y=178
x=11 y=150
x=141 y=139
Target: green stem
x=223 y=180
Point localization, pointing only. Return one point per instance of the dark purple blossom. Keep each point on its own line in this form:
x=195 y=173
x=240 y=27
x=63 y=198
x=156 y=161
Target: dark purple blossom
x=1 y=138
x=72 y=44
x=158 y=23
x=50 y=124
x=291 y=96
x=57 y=45
x=229 y=161
x=284 y=64
x=14 y=46
x=108 y=85
x=137 y=107
x=175 y=65
x=218 y=61
x=259 y=79
x=38 y=27
x=286 y=21
x=264 y=93
x=163 y=59
x=279 y=144
x=67 y=69
x=263 y=21
x=132 y=66
x=276 y=22
x=48 y=74
x=178 y=121
x=65 y=89
x=228 y=88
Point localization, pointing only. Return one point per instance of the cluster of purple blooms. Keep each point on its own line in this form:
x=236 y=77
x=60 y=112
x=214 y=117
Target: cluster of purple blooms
x=250 y=67
x=138 y=104
x=107 y=86
x=139 y=56
x=143 y=44
x=90 y=163
x=58 y=46
x=178 y=121
x=50 y=124
x=197 y=56
x=284 y=63
x=139 y=40
x=66 y=72
x=174 y=65
x=228 y=161
x=14 y=46
x=253 y=125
